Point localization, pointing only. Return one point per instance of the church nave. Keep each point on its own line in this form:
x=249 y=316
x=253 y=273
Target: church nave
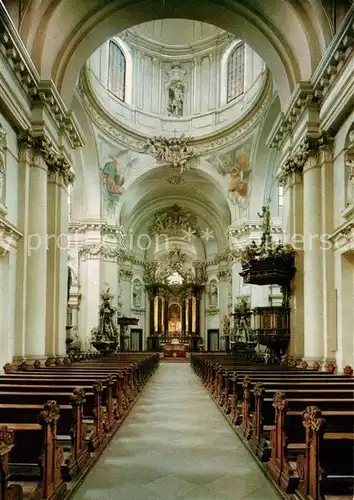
x=175 y=444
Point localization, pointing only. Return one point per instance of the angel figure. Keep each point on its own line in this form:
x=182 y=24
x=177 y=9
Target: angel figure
x=238 y=180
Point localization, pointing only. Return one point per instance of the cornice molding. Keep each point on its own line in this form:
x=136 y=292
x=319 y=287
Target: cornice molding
x=39 y=92
x=251 y=227
x=343 y=236
x=312 y=93
x=103 y=227
x=177 y=52
x=136 y=141
x=9 y=237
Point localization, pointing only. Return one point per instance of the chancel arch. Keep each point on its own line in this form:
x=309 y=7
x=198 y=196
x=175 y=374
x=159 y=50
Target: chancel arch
x=290 y=39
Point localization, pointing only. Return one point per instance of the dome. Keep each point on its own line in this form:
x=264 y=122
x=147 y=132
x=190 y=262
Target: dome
x=167 y=33
x=152 y=81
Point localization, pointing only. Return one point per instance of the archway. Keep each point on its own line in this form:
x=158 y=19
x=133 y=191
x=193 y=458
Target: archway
x=291 y=38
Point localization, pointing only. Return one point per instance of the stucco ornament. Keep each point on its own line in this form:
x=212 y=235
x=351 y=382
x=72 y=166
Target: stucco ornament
x=296 y=161
x=175 y=152
x=174 y=221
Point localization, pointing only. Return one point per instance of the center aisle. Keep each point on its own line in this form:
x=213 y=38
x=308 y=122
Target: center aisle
x=175 y=444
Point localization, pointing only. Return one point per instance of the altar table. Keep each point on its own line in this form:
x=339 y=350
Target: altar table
x=175 y=350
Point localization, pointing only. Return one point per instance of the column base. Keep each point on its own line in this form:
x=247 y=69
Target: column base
x=20 y=363
x=319 y=364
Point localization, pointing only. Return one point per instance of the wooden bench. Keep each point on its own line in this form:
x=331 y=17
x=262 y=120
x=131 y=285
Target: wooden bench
x=289 y=444
x=252 y=396
x=94 y=393
x=35 y=456
x=70 y=428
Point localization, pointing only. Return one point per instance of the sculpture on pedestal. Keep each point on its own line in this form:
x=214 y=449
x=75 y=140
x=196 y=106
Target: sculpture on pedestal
x=105 y=336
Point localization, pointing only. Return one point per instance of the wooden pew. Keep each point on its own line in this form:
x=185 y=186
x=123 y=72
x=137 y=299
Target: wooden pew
x=118 y=381
x=6 y=445
x=289 y=442
x=70 y=424
x=98 y=435
x=260 y=413
x=245 y=393
x=328 y=466
x=35 y=455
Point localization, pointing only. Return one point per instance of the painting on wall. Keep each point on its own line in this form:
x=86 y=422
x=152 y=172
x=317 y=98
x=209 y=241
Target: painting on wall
x=235 y=166
x=113 y=176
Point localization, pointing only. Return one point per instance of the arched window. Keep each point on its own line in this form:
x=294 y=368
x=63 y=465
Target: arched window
x=236 y=72
x=116 y=71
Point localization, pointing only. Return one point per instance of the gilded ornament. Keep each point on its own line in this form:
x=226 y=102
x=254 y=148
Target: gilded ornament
x=279 y=401
x=312 y=419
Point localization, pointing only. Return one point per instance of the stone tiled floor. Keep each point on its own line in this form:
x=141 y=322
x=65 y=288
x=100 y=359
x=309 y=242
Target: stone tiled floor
x=175 y=444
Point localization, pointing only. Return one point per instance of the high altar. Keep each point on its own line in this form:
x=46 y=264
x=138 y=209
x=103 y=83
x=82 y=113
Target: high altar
x=175 y=307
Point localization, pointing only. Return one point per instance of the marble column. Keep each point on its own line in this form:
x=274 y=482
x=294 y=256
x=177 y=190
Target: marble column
x=160 y=313
x=183 y=306
x=329 y=293
x=4 y=293
x=197 y=306
x=36 y=266
x=313 y=282
x=166 y=317
x=57 y=268
x=293 y=230
x=21 y=271
x=151 y=312
x=190 y=316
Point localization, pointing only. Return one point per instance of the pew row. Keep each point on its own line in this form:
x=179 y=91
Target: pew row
x=271 y=409
x=94 y=397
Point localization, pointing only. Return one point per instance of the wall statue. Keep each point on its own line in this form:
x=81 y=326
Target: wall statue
x=176 y=90
x=175 y=99
x=213 y=293
x=350 y=182
x=137 y=294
